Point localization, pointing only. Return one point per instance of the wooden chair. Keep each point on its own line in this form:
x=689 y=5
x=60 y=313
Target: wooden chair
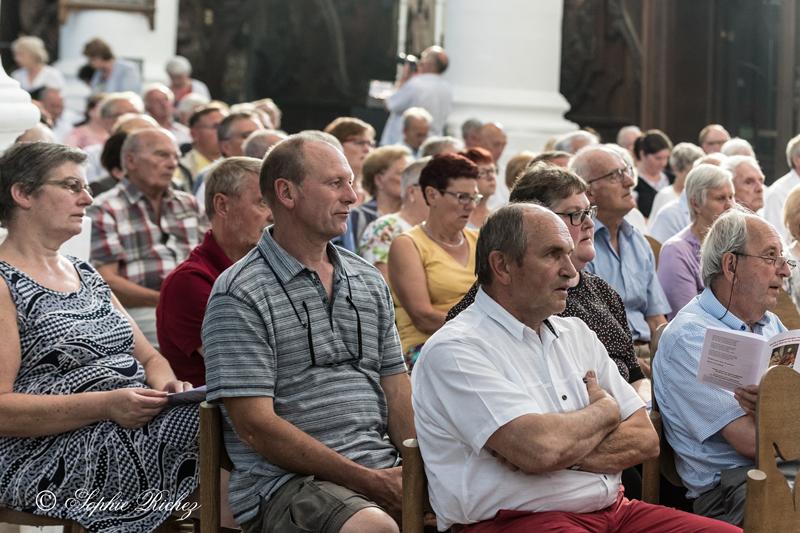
x=415 y=488
x=664 y=465
x=772 y=506
x=787 y=311
x=655 y=246
x=212 y=457
x=9 y=516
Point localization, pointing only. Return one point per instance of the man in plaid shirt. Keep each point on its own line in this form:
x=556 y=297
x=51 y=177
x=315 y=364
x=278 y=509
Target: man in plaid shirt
x=142 y=228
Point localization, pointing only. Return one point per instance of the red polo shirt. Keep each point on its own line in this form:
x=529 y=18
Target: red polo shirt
x=182 y=306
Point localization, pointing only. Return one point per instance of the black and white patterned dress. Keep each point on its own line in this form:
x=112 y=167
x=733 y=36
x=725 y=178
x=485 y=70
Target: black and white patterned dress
x=78 y=342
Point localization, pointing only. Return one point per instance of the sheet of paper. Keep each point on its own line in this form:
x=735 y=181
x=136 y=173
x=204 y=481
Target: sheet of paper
x=190 y=396
x=732 y=359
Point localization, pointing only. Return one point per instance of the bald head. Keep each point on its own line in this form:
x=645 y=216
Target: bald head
x=494 y=139
x=433 y=60
x=712 y=137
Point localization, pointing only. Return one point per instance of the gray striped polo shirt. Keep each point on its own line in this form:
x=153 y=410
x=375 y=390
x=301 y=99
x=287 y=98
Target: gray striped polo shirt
x=255 y=344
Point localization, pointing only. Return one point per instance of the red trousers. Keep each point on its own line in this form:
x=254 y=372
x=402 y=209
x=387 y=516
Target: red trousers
x=623 y=515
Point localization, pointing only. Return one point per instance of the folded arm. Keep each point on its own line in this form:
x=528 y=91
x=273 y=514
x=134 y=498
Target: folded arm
x=631 y=443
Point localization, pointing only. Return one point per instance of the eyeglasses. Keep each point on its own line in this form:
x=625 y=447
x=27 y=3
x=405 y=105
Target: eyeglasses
x=576 y=218
x=354 y=359
x=617 y=175
x=464 y=198
x=362 y=142
x=73 y=185
x=775 y=260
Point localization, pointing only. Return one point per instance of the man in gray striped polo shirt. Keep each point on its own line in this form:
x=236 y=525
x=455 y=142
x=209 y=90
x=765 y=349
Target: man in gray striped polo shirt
x=300 y=345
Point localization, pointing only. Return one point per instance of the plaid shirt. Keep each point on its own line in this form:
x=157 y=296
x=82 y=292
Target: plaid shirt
x=124 y=232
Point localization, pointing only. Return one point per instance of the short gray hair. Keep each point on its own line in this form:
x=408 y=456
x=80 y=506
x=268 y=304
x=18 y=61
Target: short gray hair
x=108 y=103
x=30 y=165
x=583 y=163
x=133 y=142
x=178 y=66
x=699 y=180
x=470 y=125
x=160 y=87
x=727 y=234
x=732 y=163
x=259 y=142
x=436 y=145
x=683 y=155
x=418 y=113
x=503 y=231
x=737 y=146
x=792 y=150
x=411 y=175
x=565 y=142
x=226 y=178
x=287 y=160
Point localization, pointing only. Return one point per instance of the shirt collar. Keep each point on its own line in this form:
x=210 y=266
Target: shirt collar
x=214 y=253
x=708 y=301
x=287 y=267
x=624 y=226
x=506 y=320
x=133 y=194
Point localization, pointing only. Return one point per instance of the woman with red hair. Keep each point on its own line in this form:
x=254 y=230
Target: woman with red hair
x=487 y=184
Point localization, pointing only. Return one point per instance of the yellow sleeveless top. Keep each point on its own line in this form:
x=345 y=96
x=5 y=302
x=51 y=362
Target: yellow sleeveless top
x=447 y=280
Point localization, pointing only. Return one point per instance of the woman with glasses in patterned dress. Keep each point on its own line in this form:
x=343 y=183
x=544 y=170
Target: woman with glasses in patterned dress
x=83 y=395
x=432 y=266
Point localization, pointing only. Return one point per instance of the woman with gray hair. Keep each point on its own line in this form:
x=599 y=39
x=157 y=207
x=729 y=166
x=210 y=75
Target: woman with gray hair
x=34 y=72
x=379 y=234
x=181 y=83
x=83 y=395
x=681 y=158
x=709 y=192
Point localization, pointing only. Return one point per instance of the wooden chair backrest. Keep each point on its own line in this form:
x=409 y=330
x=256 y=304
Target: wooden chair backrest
x=212 y=457
x=19 y=518
x=787 y=311
x=666 y=458
x=655 y=246
x=771 y=505
x=415 y=488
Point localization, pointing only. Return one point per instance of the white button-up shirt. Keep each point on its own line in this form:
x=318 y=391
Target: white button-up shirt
x=484 y=369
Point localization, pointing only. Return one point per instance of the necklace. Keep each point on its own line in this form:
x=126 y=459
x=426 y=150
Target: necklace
x=449 y=245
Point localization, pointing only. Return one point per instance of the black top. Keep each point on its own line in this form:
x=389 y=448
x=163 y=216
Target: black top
x=601 y=308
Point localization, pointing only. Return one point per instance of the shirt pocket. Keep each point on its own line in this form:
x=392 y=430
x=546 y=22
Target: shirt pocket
x=570 y=393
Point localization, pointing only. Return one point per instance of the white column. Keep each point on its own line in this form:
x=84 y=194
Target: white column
x=17 y=113
x=129 y=36
x=505 y=66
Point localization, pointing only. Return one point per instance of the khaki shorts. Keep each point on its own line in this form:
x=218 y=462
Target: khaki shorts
x=307 y=504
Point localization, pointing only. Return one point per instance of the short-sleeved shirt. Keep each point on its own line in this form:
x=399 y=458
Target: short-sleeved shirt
x=378 y=236
x=632 y=273
x=429 y=91
x=125 y=232
x=695 y=413
x=124 y=76
x=679 y=269
x=484 y=369
x=182 y=306
x=670 y=220
x=256 y=345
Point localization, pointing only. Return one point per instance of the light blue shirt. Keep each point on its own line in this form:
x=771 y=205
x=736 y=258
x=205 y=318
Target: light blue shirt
x=124 y=77
x=695 y=413
x=671 y=219
x=632 y=273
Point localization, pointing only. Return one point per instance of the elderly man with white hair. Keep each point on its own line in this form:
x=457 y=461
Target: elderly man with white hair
x=709 y=193
x=748 y=181
x=416 y=126
x=159 y=102
x=777 y=192
x=712 y=431
x=179 y=71
x=627 y=135
x=738 y=146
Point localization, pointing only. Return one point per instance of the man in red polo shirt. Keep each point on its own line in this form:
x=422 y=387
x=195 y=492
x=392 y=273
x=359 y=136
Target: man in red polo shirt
x=238 y=214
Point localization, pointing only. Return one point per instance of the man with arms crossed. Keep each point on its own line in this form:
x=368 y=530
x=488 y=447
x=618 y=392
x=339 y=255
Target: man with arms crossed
x=523 y=421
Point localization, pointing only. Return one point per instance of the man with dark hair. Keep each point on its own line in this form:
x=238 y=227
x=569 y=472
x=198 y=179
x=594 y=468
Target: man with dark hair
x=426 y=89
x=110 y=74
x=203 y=126
x=525 y=408
x=317 y=380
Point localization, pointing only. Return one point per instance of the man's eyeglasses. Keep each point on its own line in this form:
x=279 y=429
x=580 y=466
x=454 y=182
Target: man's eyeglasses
x=464 y=198
x=73 y=185
x=356 y=359
x=362 y=142
x=775 y=260
x=576 y=218
x=616 y=175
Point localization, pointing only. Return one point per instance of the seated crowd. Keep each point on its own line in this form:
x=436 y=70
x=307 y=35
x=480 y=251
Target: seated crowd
x=336 y=299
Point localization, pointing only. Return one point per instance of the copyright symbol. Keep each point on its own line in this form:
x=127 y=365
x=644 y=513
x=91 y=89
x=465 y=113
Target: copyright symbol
x=45 y=500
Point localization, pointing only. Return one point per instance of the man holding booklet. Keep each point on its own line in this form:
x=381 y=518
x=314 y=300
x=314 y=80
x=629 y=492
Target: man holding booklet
x=711 y=429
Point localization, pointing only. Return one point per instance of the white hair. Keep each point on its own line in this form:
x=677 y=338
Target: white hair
x=179 y=66
x=727 y=234
x=737 y=146
x=566 y=141
x=418 y=113
x=698 y=182
x=683 y=155
x=156 y=86
x=732 y=163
